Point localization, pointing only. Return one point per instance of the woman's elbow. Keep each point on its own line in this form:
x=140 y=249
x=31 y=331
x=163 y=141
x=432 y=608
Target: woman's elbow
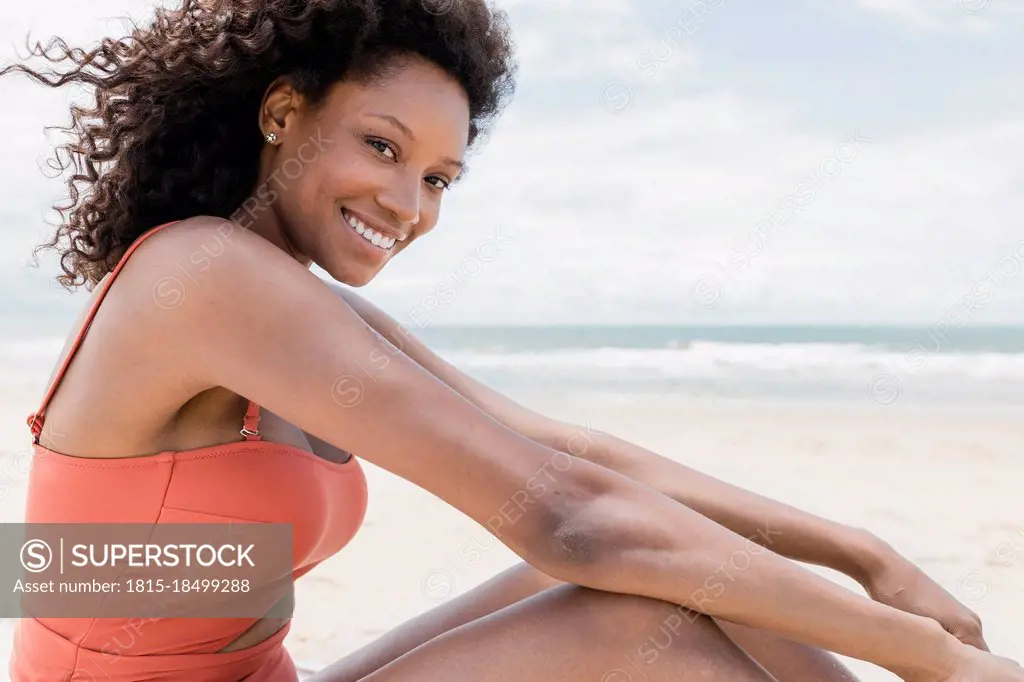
x=583 y=532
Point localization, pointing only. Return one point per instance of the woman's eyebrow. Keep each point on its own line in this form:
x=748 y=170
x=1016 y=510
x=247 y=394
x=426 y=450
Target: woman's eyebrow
x=395 y=122
x=408 y=133
x=452 y=162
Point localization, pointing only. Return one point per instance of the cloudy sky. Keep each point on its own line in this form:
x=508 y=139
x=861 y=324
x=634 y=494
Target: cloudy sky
x=719 y=161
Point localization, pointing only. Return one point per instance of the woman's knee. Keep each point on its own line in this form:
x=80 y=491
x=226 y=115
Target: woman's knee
x=650 y=632
x=647 y=639
x=647 y=625
x=571 y=633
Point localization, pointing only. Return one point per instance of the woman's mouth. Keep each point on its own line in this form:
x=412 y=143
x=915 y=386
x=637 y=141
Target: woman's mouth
x=368 y=233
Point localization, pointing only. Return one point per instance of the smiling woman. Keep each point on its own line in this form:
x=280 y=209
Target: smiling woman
x=256 y=68
x=381 y=177
x=235 y=143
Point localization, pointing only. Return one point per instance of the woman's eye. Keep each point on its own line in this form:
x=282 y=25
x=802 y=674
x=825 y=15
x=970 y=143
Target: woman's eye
x=383 y=147
x=437 y=182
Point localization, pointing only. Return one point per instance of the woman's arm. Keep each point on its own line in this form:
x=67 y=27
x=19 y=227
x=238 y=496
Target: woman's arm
x=261 y=325
x=886 y=575
x=786 y=530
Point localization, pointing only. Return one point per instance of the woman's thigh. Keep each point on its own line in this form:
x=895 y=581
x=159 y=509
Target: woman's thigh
x=574 y=634
x=787 y=661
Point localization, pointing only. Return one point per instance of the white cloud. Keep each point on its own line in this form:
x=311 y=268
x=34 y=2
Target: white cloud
x=628 y=211
x=607 y=39
x=978 y=16
x=613 y=217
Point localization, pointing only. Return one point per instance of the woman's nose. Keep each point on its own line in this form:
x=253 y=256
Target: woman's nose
x=402 y=201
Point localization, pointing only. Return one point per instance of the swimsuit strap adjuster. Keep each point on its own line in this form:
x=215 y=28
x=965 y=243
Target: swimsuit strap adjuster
x=251 y=424
x=35 y=423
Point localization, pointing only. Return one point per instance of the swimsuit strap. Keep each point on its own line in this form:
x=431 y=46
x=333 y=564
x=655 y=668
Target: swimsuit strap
x=251 y=423
x=35 y=420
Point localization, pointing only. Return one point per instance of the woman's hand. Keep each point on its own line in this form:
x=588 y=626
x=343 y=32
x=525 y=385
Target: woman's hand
x=898 y=583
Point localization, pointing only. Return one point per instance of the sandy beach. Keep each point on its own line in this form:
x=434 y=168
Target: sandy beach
x=943 y=487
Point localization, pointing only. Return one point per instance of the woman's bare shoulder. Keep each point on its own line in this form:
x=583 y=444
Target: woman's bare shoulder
x=178 y=288
x=187 y=248
x=197 y=259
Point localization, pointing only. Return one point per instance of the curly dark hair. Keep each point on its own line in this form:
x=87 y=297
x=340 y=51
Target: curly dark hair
x=174 y=131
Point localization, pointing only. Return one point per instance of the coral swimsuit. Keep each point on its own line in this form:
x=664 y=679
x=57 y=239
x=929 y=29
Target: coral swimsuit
x=250 y=480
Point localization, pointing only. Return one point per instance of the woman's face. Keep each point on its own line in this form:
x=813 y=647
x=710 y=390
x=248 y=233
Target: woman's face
x=350 y=184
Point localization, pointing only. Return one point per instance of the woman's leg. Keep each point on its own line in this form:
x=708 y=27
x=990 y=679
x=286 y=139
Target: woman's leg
x=574 y=634
x=787 y=661
x=508 y=587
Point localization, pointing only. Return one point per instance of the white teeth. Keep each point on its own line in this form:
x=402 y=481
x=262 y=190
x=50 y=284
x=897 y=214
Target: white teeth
x=370 y=235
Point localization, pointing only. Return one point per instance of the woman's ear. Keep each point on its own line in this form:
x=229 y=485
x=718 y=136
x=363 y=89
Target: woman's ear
x=279 y=108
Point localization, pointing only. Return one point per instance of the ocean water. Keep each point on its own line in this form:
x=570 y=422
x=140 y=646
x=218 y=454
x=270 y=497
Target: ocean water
x=875 y=365
x=878 y=366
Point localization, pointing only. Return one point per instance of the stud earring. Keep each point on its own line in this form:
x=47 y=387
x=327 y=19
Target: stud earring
x=271 y=137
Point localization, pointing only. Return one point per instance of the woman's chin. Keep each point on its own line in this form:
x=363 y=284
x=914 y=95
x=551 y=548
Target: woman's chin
x=354 y=277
